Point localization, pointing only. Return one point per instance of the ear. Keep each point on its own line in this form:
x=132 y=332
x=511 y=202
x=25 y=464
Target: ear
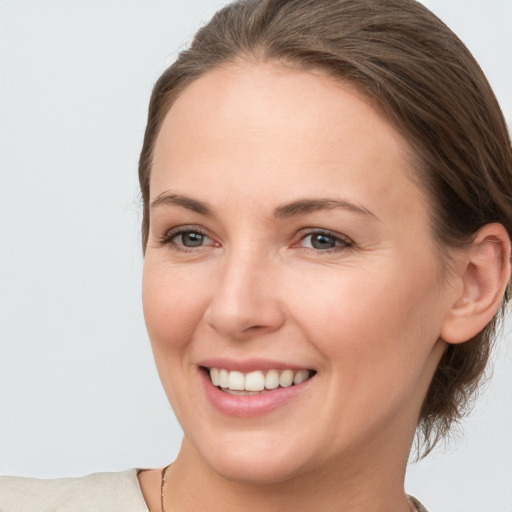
x=484 y=272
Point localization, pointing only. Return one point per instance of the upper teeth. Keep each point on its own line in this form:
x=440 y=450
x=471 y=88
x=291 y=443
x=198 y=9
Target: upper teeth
x=257 y=380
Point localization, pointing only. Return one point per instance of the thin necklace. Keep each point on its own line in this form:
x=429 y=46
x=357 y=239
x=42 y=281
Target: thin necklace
x=162 y=487
x=163 y=481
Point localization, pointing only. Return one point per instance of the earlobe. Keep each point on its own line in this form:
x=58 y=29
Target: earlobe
x=485 y=274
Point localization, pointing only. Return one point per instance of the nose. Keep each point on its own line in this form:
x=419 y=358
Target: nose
x=245 y=300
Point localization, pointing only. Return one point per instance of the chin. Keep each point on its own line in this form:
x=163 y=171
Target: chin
x=243 y=470
x=260 y=462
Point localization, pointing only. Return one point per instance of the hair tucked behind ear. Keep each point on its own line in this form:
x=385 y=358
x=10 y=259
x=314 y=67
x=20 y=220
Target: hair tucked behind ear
x=411 y=66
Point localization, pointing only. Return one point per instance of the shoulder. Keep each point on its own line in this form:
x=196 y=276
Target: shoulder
x=419 y=506
x=107 y=492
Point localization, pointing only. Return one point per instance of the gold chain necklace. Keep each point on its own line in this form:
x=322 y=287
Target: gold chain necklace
x=162 y=487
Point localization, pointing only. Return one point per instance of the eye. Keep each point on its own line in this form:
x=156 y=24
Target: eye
x=324 y=241
x=186 y=239
x=190 y=239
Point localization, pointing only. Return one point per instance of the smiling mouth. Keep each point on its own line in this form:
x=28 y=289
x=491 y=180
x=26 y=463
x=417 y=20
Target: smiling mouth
x=256 y=382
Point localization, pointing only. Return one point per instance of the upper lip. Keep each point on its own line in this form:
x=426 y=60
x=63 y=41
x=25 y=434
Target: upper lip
x=250 y=365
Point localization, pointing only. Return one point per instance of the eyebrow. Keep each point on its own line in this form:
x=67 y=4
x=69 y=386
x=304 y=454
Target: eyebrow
x=305 y=206
x=183 y=201
x=294 y=208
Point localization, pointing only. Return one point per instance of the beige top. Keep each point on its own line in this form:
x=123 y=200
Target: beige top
x=99 y=492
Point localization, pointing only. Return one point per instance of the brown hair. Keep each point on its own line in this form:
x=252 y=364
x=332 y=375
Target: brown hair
x=425 y=80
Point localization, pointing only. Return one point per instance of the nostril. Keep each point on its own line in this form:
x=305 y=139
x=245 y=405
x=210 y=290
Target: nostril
x=255 y=328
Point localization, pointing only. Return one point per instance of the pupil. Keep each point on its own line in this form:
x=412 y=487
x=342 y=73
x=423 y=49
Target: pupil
x=192 y=239
x=322 y=242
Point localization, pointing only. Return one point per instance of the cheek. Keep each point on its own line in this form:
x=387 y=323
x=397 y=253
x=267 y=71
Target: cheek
x=173 y=303
x=373 y=324
x=173 y=306
x=376 y=338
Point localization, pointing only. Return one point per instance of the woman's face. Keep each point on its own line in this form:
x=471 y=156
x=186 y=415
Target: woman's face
x=287 y=241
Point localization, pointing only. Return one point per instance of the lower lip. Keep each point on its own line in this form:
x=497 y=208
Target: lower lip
x=250 y=405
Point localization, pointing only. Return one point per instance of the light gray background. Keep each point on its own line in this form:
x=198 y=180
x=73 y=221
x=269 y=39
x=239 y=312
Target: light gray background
x=78 y=388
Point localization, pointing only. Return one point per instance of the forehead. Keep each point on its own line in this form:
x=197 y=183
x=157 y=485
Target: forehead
x=257 y=127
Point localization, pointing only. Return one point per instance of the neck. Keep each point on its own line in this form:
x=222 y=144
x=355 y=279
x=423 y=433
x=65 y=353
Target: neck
x=362 y=484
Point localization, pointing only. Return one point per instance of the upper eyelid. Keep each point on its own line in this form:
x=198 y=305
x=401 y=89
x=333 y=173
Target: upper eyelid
x=170 y=234
x=185 y=228
x=303 y=233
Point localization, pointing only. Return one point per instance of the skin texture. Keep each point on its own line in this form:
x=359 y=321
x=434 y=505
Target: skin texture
x=366 y=315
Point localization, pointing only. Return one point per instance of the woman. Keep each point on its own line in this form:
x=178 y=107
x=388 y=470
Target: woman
x=326 y=231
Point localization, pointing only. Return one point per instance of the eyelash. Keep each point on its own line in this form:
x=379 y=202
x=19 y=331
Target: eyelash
x=169 y=238
x=343 y=243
